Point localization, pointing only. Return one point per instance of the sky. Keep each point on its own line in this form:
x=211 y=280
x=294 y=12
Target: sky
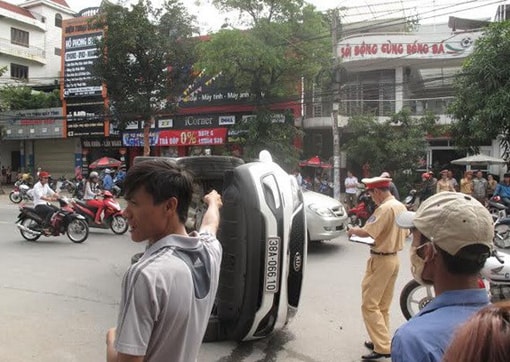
x=430 y=11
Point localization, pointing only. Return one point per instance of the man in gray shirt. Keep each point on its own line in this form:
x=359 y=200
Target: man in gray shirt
x=168 y=295
x=480 y=187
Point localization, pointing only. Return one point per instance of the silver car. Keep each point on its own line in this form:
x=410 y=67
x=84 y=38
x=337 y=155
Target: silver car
x=326 y=217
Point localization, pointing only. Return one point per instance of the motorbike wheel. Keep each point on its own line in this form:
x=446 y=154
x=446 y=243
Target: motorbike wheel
x=15 y=197
x=356 y=221
x=77 y=231
x=119 y=224
x=30 y=224
x=414 y=297
x=502 y=236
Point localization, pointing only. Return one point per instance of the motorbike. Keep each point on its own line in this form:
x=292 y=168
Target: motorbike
x=359 y=214
x=410 y=200
x=501 y=225
x=63 y=221
x=20 y=192
x=494 y=277
x=112 y=214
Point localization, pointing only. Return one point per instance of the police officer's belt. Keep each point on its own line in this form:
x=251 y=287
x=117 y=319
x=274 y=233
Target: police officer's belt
x=380 y=253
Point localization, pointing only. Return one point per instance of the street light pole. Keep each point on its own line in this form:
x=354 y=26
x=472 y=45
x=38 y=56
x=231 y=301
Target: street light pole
x=334 y=115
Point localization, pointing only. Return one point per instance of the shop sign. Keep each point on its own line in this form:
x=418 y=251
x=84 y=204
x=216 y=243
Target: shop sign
x=440 y=46
x=166 y=123
x=33 y=123
x=80 y=52
x=135 y=139
x=227 y=120
x=100 y=143
x=196 y=137
x=81 y=123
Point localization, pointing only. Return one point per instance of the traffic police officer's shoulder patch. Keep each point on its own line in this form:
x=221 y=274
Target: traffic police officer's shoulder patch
x=371 y=219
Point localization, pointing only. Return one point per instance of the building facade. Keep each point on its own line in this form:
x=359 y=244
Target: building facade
x=385 y=67
x=31 y=49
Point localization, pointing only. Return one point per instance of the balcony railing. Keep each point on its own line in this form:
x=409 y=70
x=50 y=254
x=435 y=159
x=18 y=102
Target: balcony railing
x=31 y=52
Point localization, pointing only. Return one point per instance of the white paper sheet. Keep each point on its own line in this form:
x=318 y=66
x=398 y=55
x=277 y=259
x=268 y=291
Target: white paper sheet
x=363 y=240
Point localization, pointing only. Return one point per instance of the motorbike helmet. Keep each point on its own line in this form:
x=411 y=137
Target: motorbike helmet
x=426 y=175
x=93 y=174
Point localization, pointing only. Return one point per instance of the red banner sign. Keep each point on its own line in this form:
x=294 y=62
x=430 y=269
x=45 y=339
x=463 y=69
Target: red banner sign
x=193 y=137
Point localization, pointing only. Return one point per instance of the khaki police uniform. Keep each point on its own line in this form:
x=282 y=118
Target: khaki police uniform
x=381 y=272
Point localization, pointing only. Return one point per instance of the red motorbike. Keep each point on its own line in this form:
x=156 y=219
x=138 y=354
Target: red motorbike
x=112 y=217
x=359 y=214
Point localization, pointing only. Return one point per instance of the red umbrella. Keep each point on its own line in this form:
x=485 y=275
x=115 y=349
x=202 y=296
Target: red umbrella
x=105 y=162
x=315 y=161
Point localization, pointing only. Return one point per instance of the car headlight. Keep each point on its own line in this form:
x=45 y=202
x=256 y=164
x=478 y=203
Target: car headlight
x=321 y=210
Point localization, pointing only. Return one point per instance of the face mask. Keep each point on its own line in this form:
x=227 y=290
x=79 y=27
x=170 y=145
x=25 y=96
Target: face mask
x=417 y=265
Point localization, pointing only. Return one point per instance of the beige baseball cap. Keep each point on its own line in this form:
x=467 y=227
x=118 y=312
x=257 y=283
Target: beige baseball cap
x=451 y=220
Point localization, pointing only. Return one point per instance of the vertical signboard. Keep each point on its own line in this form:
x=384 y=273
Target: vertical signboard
x=80 y=51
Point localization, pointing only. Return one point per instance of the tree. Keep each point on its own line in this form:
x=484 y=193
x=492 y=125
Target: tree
x=481 y=108
x=286 y=42
x=395 y=145
x=3 y=70
x=22 y=97
x=145 y=59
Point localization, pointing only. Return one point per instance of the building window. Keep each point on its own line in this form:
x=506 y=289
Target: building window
x=19 y=71
x=19 y=37
x=58 y=51
x=58 y=20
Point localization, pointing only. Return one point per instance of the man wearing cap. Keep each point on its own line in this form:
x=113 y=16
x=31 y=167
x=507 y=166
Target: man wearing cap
x=382 y=266
x=503 y=189
x=452 y=237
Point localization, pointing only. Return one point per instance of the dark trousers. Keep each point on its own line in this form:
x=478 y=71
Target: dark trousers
x=45 y=212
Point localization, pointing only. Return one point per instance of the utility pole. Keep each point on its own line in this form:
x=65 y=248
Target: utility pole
x=334 y=114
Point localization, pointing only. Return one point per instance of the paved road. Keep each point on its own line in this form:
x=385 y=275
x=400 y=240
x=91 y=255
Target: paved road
x=58 y=299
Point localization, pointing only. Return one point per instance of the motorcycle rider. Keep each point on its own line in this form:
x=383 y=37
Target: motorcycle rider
x=107 y=180
x=90 y=195
x=452 y=237
x=427 y=187
x=503 y=189
x=42 y=193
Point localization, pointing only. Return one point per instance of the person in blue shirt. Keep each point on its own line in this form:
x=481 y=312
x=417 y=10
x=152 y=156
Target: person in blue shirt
x=503 y=189
x=452 y=237
x=107 y=180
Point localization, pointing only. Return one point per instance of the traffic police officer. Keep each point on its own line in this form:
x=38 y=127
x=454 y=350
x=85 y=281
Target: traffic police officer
x=382 y=266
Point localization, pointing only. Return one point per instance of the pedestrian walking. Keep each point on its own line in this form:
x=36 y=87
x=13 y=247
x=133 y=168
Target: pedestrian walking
x=382 y=266
x=351 y=189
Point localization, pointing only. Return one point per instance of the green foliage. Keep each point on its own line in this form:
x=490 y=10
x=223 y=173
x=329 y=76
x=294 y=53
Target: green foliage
x=145 y=57
x=3 y=70
x=13 y=98
x=287 y=41
x=395 y=145
x=482 y=93
x=263 y=133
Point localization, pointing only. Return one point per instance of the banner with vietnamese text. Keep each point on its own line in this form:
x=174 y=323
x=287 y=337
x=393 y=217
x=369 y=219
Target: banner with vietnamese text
x=193 y=137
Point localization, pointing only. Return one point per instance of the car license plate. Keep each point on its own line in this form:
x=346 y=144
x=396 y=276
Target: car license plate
x=272 y=269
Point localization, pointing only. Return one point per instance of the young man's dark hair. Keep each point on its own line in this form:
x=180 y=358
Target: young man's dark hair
x=162 y=179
